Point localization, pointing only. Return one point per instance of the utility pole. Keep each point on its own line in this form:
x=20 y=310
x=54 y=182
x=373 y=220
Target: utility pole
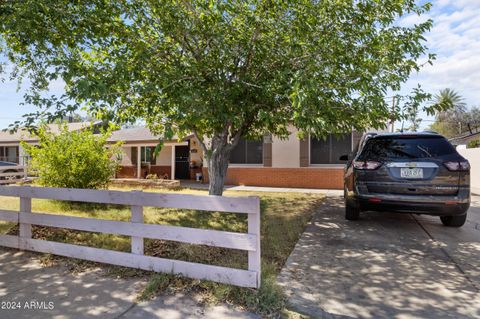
x=392 y=119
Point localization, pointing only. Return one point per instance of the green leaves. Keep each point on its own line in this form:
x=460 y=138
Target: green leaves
x=407 y=108
x=452 y=117
x=218 y=67
x=78 y=159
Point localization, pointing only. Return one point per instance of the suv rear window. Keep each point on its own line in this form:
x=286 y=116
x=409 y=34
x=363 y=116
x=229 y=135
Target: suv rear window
x=406 y=147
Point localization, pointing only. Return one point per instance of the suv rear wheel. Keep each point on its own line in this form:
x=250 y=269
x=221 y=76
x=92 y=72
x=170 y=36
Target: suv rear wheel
x=454 y=221
x=351 y=212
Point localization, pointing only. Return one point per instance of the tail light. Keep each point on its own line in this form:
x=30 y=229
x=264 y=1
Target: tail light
x=366 y=165
x=457 y=166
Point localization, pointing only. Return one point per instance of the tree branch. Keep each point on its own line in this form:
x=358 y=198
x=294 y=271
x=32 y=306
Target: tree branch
x=202 y=143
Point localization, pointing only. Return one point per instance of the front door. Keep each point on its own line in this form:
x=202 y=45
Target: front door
x=182 y=162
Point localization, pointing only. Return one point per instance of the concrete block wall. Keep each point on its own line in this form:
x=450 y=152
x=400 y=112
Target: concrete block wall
x=473 y=156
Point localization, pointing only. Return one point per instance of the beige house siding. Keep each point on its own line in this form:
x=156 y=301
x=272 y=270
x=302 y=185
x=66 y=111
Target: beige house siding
x=304 y=153
x=126 y=156
x=285 y=153
x=196 y=153
x=267 y=153
x=164 y=157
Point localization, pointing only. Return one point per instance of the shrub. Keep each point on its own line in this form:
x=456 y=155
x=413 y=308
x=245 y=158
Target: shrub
x=78 y=159
x=473 y=144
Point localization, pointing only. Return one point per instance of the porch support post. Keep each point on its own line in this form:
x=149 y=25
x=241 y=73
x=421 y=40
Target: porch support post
x=172 y=173
x=139 y=162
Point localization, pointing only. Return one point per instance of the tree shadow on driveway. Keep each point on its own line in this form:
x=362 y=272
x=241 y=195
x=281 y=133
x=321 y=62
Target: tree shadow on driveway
x=384 y=266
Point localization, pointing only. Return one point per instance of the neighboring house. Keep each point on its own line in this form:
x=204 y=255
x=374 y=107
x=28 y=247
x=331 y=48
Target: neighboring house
x=464 y=139
x=11 y=150
x=309 y=163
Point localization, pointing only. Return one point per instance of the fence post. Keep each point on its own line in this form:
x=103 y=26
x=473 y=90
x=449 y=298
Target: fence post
x=137 y=217
x=254 y=257
x=25 y=173
x=24 y=230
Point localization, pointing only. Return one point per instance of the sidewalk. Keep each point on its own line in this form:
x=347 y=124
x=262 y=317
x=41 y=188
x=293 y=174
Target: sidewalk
x=30 y=290
x=326 y=192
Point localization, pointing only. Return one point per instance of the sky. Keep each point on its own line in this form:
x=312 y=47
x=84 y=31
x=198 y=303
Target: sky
x=454 y=38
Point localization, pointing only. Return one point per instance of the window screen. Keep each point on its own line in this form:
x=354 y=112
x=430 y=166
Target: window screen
x=329 y=150
x=147 y=154
x=341 y=145
x=247 y=152
x=238 y=154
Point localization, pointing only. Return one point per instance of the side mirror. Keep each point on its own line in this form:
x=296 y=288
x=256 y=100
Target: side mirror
x=343 y=158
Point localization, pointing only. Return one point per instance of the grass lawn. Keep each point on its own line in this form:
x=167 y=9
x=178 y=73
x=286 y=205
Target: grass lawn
x=283 y=215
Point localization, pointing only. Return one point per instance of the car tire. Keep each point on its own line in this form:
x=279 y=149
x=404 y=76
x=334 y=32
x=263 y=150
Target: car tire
x=351 y=212
x=454 y=221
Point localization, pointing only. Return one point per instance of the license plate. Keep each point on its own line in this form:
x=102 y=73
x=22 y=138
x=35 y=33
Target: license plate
x=411 y=172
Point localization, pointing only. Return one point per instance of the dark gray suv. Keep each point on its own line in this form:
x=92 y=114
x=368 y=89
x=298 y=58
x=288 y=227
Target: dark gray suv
x=418 y=173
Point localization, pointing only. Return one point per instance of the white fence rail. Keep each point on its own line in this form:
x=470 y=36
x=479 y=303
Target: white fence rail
x=9 y=177
x=138 y=230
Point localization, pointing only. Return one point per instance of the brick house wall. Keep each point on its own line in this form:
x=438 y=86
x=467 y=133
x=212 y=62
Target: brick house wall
x=130 y=171
x=307 y=177
x=285 y=163
x=161 y=170
x=126 y=171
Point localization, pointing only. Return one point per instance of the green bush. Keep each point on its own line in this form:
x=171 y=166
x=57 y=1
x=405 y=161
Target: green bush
x=78 y=159
x=473 y=144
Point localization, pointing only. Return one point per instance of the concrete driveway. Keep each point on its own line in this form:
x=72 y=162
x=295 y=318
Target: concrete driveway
x=385 y=265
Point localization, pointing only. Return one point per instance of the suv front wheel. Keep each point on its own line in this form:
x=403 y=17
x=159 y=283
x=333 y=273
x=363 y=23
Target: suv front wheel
x=454 y=221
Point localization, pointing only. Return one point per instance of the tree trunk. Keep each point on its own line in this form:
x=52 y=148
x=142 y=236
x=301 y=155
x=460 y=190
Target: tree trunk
x=217 y=157
x=217 y=170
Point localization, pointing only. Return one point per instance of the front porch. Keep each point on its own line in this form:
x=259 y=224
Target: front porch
x=175 y=161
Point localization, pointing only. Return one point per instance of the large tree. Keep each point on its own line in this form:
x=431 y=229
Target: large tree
x=221 y=70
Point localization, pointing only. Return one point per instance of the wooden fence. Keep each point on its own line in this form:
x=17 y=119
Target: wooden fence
x=138 y=230
x=12 y=177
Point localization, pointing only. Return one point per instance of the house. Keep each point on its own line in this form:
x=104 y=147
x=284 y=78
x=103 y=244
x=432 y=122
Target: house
x=290 y=162
x=11 y=150
x=463 y=139
x=308 y=163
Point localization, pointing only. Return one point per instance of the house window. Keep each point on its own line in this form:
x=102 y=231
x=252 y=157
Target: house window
x=329 y=150
x=9 y=154
x=247 y=152
x=146 y=155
